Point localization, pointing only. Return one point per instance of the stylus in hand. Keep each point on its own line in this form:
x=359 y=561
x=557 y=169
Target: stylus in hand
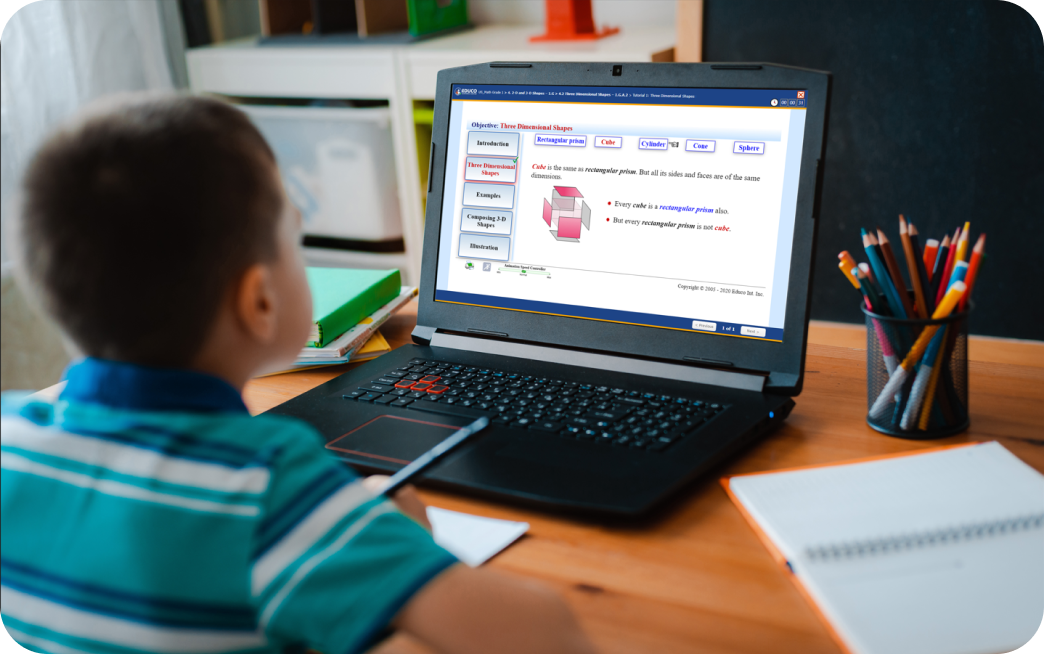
x=426 y=460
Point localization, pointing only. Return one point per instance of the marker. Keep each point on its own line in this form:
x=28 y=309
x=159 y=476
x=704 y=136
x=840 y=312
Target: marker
x=920 y=385
x=846 y=264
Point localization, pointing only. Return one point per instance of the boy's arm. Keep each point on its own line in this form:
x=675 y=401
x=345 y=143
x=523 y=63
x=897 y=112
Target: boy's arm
x=475 y=611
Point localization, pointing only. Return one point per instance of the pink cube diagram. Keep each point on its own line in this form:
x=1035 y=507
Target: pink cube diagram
x=566 y=212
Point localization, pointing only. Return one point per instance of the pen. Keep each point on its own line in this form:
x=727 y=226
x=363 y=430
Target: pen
x=426 y=460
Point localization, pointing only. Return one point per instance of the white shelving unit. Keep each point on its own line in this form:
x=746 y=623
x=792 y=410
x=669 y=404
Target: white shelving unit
x=399 y=74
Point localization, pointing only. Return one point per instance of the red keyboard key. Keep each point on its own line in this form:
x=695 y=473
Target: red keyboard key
x=431 y=379
x=405 y=383
x=438 y=389
x=421 y=386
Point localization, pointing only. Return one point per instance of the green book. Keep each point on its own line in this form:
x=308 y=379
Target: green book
x=342 y=297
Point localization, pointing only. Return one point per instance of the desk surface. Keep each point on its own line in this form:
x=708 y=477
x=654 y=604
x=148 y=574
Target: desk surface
x=697 y=576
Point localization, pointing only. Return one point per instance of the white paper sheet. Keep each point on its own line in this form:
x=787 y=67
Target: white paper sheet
x=473 y=539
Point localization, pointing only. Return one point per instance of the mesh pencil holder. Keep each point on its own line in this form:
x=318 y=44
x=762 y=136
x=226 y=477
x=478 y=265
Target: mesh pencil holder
x=932 y=399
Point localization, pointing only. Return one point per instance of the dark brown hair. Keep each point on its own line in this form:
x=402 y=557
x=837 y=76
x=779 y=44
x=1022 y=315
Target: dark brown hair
x=137 y=218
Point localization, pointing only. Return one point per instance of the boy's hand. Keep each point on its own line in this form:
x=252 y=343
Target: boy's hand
x=406 y=499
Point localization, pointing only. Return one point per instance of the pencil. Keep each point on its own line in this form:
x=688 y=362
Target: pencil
x=893 y=269
x=973 y=268
x=898 y=378
x=922 y=271
x=911 y=268
x=929 y=396
x=865 y=267
x=883 y=280
x=873 y=300
x=962 y=244
x=948 y=268
x=940 y=263
x=876 y=304
x=931 y=246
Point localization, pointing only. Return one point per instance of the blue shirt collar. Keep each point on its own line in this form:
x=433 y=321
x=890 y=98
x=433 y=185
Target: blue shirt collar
x=142 y=388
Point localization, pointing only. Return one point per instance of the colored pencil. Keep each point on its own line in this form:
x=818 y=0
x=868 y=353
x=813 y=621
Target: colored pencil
x=922 y=271
x=883 y=280
x=940 y=263
x=962 y=245
x=948 y=268
x=874 y=302
x=899 y=377
x=929 y=396
x=911 y=268
x=973 y=268
x=920 y=386
x=931 y=246
x=893 y=269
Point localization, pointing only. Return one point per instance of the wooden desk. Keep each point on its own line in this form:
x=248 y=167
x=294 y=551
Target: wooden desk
x=696 y=578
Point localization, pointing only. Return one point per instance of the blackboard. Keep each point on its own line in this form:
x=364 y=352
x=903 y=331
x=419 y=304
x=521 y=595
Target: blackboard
x=937 y=113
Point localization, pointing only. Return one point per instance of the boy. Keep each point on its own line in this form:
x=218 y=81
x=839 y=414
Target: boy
x=145 y=510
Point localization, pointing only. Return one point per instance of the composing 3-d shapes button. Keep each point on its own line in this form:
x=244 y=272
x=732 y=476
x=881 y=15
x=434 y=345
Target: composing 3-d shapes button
x=497 y=196
x=489 y=169
x=478 y=246
x=504 y=144
x=570 y=141
x=697 y=145
x=705 y=326
x=608 y=141
x=748 y=147
x=485 y=221
x=646 y=143
x=752 y=331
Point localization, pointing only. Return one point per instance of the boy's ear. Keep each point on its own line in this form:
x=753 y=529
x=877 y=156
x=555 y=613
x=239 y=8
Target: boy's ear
x=254 y=303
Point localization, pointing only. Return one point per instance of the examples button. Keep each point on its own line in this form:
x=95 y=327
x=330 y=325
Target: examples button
x=474 y=246
x=608 y=141
x=705 y=326
x=748 y=147
x=646 y=143
x=485 y=221
x=696 y=145
x=752 y=331
x=497 y=196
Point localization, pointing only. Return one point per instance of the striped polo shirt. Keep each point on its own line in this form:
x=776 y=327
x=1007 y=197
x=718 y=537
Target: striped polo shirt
x=146 y=511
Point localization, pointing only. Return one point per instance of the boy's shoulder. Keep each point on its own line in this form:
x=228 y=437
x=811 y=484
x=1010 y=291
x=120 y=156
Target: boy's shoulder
x=237 y=438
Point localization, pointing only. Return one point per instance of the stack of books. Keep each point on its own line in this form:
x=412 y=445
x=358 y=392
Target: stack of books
x=348 y=307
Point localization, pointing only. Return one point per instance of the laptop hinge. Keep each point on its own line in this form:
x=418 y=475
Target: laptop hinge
x=660 y=369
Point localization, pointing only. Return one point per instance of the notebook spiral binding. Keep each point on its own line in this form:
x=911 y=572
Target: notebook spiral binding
x=893 y=544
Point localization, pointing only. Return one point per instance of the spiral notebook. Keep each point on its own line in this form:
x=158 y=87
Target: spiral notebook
x=933 y=553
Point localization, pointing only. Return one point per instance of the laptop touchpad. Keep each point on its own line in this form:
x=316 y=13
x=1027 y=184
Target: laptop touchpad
x=395 y=439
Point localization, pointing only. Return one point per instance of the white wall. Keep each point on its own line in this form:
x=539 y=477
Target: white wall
x=617 y=13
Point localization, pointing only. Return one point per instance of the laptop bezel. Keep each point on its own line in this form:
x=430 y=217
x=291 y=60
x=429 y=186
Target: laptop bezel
x=783 y=363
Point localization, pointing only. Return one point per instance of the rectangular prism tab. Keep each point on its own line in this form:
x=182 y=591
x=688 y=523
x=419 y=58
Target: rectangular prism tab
x=477 y=246
x=572 y=140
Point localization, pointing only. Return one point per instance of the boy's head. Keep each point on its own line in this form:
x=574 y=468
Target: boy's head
x=145 y=221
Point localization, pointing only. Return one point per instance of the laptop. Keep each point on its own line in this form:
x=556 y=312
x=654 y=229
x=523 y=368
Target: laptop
x=616 y=271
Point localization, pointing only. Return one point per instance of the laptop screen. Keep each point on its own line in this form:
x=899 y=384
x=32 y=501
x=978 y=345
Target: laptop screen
x=671 y=208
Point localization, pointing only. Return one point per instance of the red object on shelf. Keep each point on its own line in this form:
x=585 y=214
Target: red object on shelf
x=571 y=20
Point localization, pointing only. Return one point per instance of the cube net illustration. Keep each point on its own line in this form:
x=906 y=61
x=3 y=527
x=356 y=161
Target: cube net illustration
x=566 y=212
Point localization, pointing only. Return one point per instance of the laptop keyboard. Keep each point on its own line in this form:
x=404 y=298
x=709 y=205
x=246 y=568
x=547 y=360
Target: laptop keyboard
x=586 y=412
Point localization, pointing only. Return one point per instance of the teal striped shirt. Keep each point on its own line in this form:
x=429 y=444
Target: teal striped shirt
x=146 y=511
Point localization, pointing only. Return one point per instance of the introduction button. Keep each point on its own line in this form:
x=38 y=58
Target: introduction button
x=752 y=331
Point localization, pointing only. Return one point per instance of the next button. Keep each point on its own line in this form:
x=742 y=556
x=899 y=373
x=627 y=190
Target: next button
x=753 y=331
x=748 y=147
x=608 y=142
